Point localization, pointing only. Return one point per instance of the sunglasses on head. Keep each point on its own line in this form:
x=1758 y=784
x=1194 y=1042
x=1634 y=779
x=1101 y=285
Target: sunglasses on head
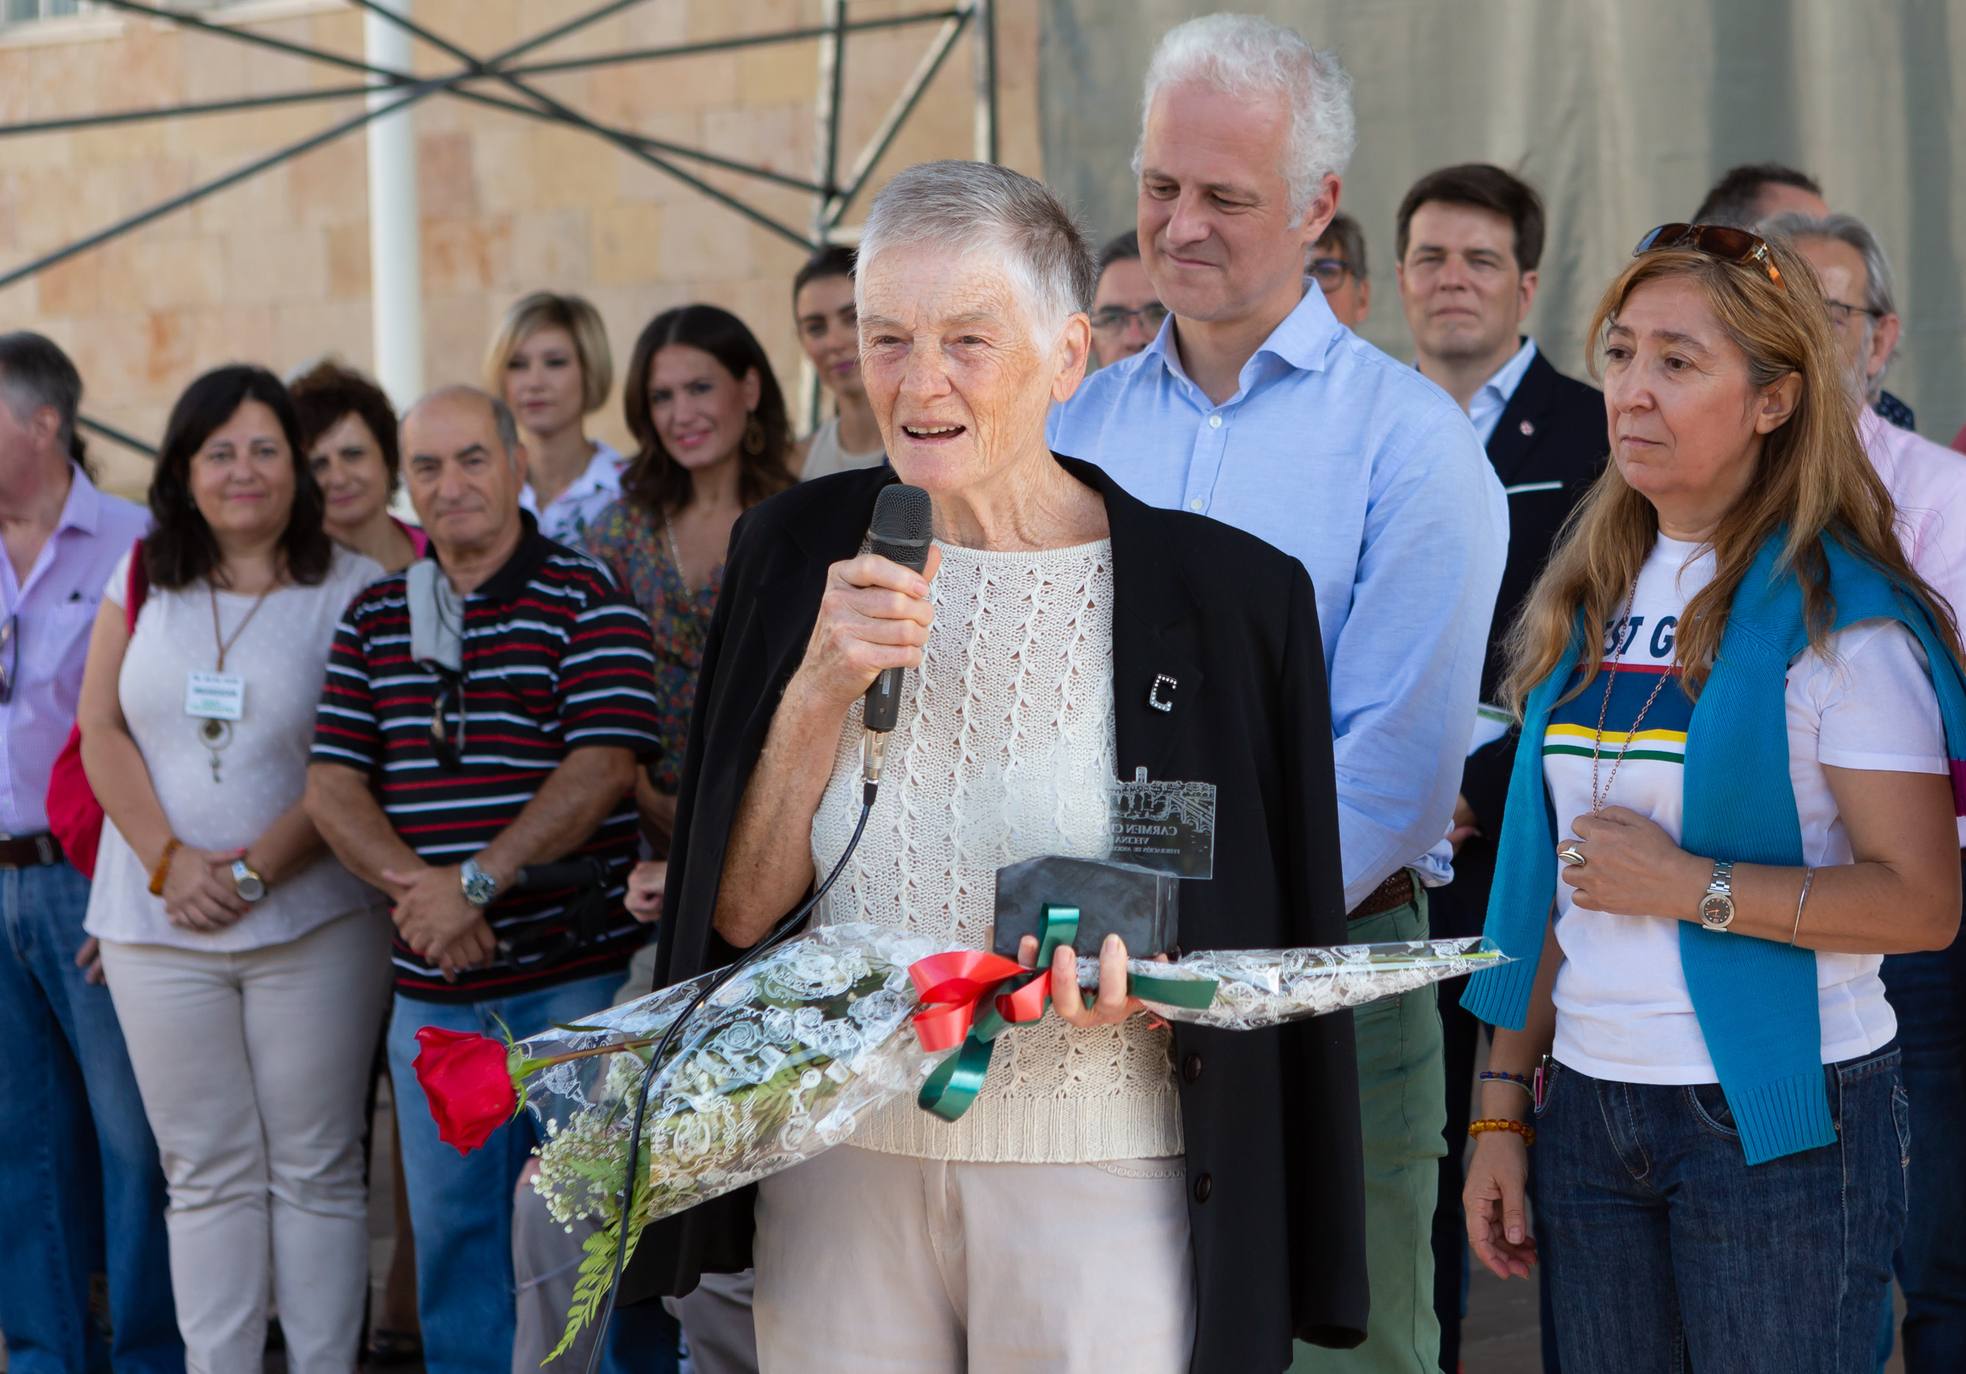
x=1721 y=241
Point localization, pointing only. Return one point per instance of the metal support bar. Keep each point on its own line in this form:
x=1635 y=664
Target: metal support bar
x=626 y=142
x=192 y=21
x=231 y=178
x=985 y=25
x=127 y=440
x=732 y=44
x=203 y=107
x=897 y=115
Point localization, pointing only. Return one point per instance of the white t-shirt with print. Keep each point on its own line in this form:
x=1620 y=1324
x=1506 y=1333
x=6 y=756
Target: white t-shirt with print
x=1623 y=1009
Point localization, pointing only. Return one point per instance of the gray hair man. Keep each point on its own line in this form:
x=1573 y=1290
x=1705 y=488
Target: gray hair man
x=1259 y=408
x=1857 y=280
x=1927 y=482
x=66 y=1087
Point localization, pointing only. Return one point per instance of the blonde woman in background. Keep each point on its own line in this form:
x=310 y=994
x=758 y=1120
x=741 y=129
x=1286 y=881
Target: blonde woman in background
x=551 y=363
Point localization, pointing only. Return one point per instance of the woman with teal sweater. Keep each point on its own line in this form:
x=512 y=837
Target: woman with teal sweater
x=1737 y=789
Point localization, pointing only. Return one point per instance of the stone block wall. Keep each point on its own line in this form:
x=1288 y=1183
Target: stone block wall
x=276 y=269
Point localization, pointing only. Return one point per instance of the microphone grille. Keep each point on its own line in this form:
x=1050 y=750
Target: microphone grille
x=903 y=525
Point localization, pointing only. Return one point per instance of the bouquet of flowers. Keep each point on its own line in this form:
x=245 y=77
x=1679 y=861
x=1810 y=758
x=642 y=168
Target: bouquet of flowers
x=780 y=1063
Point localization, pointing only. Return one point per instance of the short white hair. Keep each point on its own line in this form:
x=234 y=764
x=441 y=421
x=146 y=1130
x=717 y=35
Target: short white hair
x=963 y=207
x=1243 y=55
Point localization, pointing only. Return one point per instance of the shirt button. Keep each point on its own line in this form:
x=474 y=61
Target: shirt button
x=1204 y=1188
x=1191 y=1069
x=1215 y=422
x=1195 y=505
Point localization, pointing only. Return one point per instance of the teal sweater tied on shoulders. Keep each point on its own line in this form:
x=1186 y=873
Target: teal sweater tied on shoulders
x=1755 y=1000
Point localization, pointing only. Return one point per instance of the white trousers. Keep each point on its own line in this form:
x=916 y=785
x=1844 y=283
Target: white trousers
x=884 y=1264
x=253 y=1068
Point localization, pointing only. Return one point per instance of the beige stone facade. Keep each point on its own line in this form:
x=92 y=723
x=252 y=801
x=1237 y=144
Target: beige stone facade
x=276 y=269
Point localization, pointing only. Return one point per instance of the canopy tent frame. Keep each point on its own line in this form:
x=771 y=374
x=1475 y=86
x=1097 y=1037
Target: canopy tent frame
x=833 y=194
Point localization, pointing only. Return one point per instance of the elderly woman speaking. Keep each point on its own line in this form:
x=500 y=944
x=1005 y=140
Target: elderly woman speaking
x=1122 y=1195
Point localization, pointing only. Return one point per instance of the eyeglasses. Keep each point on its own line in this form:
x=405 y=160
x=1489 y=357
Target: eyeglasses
x=1114 y=318
x=1330 y=273
x=1721 y=241
x=1843 y=313
x=450 y=696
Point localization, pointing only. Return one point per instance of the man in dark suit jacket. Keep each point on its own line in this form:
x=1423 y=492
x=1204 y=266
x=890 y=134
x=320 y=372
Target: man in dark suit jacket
x=1469 y=241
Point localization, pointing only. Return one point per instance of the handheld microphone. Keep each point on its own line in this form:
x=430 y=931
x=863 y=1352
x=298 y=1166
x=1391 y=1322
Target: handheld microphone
x=902 y=527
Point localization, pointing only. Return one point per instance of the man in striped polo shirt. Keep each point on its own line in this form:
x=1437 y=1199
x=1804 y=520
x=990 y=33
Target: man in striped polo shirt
x=482 y=711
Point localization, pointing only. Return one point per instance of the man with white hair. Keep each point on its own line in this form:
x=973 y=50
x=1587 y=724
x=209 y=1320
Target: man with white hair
x=1257 y=407
x=1927 y=991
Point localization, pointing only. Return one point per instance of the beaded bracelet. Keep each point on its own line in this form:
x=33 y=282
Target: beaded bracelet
x=159 y=873
x=1503 y=1123
x=1519 y=1080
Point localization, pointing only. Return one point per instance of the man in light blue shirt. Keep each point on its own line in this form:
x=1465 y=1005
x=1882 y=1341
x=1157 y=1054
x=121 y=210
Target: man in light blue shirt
x=1254 y=405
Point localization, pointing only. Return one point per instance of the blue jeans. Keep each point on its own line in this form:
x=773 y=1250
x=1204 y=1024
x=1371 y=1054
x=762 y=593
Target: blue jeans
x=1928 y=992
x=79 y=1156
x=1670 y=1252
x=461 y=1205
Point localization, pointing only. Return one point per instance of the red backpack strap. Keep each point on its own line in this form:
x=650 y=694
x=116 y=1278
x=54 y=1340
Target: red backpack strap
x=137 y=589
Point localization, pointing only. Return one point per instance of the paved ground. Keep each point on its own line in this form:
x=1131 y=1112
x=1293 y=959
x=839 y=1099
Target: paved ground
x=1501 y=1336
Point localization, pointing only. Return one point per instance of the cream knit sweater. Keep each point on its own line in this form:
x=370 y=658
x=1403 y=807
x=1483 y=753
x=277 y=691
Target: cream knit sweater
x=1004 y=753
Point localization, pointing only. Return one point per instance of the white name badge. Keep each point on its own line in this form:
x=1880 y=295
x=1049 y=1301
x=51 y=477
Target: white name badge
x=215 y=696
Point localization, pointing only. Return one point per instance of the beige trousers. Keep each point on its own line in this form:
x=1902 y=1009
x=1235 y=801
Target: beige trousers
x=885 y=1264
x=253 y=1068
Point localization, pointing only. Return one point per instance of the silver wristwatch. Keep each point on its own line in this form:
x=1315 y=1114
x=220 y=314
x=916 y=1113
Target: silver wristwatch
x=1717 y=907
x=479 y=886
x=248 y=884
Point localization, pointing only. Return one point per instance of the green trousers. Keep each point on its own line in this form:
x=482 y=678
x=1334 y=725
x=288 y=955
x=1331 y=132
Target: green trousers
x=1402 y=1093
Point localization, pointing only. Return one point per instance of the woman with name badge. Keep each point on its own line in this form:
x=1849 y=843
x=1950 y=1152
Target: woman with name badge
x=1737 y=788
x=248 y=968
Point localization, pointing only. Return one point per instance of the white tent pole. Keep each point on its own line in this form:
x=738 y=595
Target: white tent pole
x=395 y=255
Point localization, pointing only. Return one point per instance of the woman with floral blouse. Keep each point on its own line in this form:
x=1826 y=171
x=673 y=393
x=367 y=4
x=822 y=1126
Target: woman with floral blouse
x=713 y=439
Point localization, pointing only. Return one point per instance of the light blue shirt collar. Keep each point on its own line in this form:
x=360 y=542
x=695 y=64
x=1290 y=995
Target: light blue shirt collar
x=1301 y=341
x=1485 y=410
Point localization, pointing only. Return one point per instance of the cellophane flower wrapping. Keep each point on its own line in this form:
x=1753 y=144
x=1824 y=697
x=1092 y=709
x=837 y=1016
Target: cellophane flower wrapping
x=1268 y=987
x=780 y=1064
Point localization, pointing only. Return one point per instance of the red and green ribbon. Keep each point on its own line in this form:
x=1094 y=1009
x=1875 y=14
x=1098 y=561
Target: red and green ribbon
x=970 y=997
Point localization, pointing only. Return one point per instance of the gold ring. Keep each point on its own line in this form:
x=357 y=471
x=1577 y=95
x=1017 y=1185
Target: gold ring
x=1572 y=855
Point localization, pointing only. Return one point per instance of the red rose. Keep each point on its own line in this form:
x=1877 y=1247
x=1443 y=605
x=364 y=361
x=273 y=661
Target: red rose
x=468 y=1081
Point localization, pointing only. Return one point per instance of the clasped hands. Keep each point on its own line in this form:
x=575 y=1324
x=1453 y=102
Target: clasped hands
x=436 y=922
x=199 y=893
x=1630 y=867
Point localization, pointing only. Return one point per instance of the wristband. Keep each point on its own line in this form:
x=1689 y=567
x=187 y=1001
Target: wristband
x=1497 y=1076
x=163 y=869
x=1503 y=1123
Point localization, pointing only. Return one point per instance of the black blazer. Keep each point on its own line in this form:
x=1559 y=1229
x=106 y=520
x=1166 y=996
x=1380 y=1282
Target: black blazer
x=1548 y=447
x=1269 y=1118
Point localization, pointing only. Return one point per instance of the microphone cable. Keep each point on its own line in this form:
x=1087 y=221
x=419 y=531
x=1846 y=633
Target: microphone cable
x=778 y=935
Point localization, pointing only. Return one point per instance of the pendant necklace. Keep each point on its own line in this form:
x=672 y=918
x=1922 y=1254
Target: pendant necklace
x=1598 y=799
x=212 y=733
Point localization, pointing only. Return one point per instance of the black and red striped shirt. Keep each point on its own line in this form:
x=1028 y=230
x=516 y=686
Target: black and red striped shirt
x=555 y=658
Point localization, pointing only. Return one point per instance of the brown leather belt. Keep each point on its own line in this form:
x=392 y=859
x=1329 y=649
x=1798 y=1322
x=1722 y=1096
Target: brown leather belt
x=1396 y=891
x=29 y=851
